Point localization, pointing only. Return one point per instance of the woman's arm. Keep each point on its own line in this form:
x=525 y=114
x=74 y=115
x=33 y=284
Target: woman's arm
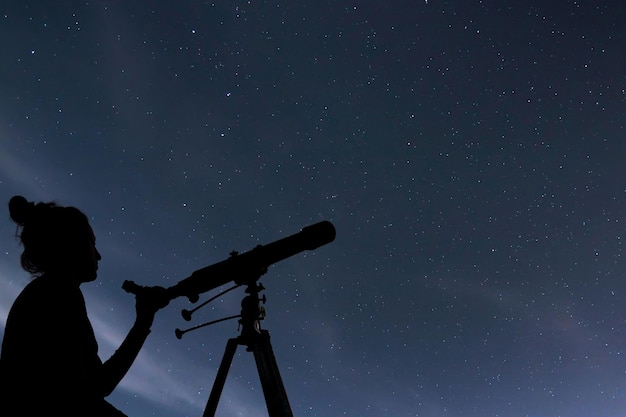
x=148 y=302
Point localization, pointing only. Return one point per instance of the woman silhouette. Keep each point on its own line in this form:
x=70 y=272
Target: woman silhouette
x=49 y=365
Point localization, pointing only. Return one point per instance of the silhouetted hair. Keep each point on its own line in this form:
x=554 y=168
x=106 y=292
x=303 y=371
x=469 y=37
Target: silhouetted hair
x=48 y=232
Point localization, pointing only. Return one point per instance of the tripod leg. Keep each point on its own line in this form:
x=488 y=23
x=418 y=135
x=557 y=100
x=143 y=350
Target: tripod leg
x=220 y=378
x=271 y=382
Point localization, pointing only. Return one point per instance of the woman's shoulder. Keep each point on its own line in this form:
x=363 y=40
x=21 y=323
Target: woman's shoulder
x=44 y=303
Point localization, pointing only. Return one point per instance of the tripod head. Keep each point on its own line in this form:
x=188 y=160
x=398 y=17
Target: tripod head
x=252 y=312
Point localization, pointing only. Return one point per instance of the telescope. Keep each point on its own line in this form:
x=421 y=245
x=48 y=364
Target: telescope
x=247 y=267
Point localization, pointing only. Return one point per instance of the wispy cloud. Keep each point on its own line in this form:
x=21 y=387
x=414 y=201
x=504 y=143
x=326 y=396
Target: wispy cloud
x=148 y=378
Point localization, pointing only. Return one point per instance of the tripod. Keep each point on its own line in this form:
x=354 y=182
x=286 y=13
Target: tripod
x=257 y=341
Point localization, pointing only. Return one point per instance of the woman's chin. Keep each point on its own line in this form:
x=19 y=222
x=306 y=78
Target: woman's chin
x=91 y=277
x=88 y=276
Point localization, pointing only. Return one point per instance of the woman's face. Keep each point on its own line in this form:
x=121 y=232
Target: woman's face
x=84 y=265
x=92 y=257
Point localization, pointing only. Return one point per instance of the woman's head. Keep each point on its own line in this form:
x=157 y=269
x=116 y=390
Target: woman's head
x=56 y=239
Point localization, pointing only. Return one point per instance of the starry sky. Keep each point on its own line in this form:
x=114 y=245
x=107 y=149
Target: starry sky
x=469 y=154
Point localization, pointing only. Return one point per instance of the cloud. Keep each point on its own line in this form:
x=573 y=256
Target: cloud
x=148 y=378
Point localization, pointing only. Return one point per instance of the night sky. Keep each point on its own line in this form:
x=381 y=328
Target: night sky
x=470 y=155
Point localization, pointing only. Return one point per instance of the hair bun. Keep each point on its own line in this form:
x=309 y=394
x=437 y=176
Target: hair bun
x=20 y=209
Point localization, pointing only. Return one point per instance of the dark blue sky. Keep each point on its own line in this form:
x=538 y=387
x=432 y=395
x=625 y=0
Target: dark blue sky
x=469 y=153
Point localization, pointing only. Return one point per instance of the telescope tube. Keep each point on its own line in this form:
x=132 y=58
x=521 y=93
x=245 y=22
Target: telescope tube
x=247 y=267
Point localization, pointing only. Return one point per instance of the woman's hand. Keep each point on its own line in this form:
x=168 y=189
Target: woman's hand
x=149 y=300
